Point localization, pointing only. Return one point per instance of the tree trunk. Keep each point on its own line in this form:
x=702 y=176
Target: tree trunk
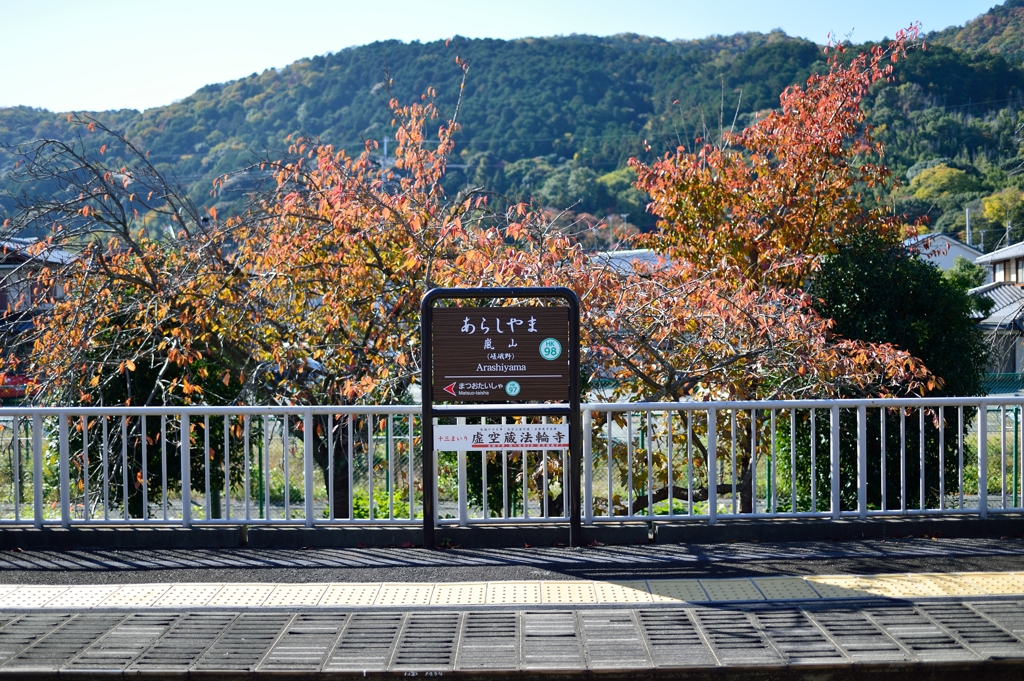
x=321 y=455
x=215 y=502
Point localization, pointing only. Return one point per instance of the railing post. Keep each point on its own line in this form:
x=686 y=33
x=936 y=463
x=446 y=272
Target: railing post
x=588 y=468
x=834 y=441
x=65 y=476
x=983 y=460
x=37 y=469
x=307 y=463
x=712 y=467
x=186 y=473
x=463 y=501
x=862 y=462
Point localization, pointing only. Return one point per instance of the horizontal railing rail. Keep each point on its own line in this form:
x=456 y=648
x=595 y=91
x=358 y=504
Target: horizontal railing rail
x=642 y=462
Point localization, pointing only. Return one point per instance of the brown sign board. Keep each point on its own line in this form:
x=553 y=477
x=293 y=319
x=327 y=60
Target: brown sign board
x=501 y=354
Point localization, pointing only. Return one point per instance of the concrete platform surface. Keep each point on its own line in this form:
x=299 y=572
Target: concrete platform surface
x=919 y=608
x=603 y=563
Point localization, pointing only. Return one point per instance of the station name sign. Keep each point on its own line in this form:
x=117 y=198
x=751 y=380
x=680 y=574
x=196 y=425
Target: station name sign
x=501 y=354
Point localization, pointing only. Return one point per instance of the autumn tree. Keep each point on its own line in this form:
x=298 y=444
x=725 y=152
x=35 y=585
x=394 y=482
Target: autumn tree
x=120 y=316
x=312 y=296
x=743 y=222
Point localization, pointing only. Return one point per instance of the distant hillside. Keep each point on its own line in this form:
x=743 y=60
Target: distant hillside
x=557 y=118
x=999 y=31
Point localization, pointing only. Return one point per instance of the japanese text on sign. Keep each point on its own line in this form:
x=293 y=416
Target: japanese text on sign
x=506 y=436
x=500 y=354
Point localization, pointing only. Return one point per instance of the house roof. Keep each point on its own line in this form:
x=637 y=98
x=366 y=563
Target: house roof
x=1008 y=299
x=1005 y=253
x=922 y=239
x=19 y=248
x=622 y=261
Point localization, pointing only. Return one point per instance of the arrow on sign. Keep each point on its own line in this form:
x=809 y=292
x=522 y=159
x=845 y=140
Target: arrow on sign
x=450 y=389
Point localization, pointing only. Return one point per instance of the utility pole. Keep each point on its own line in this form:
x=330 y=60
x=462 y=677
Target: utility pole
x=968 y=226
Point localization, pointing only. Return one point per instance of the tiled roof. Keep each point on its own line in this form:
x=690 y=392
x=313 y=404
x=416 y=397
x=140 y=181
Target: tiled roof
x=1009 y=303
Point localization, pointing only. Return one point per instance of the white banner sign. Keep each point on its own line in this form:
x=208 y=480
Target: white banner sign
x=510 y=436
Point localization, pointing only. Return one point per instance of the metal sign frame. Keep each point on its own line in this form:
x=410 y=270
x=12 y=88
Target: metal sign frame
x=570 y=409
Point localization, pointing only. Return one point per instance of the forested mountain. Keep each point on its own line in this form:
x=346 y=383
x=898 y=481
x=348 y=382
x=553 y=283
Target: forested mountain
x=999 y=31
x=557 y=118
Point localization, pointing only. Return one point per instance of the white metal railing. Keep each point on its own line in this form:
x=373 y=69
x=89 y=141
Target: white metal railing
x=814 y=458
x=641 y=462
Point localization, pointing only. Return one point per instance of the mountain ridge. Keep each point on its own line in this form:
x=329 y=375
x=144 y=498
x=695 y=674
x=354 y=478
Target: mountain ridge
x=557 y=118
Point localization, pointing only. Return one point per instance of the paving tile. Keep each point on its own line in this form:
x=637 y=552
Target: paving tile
x=295 y=594
x=404 y=594
x=950 y=584
x=242 y=595
x=665 y=590
x=350 y=594
x=833 y=586
x=83 y=596
x=30 y=596
x=622 y=592
x=135 y=595
x=885 y=586
x=513 y=593
x=995 y=583
x=192 y=595
x=785 y=588
x=731 y=590
x=568 y=592
x=469 y=593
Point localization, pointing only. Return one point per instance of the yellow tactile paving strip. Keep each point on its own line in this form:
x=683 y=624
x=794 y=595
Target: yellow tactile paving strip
x=521 y=593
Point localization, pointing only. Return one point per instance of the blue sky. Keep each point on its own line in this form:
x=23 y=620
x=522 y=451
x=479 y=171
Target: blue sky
x=68 y=55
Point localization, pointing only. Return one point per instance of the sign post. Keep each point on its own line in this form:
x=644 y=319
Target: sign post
x=524 y=356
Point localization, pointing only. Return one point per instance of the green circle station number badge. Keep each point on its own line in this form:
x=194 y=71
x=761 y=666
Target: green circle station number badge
x=550 y=349
x=512 y=388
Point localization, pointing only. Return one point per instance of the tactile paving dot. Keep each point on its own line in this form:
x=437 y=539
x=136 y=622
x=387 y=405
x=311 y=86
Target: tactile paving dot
x=731 y=590
x=82 y=596
x=242 y=595
x=188 y=595
x=471 y=593
x=513 y=592
x=350 y=594
x=676 y=590
x=784 y=588
x=568 y=592
x=135 y=595
x=404 y=594
x=949 y=584
x=30 y=596
x=295 y=594
x=995 y=582
x=622 y=592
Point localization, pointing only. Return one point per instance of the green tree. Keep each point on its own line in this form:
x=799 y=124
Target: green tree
x=878 y=292
x=941 y=180
x=965 y=275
